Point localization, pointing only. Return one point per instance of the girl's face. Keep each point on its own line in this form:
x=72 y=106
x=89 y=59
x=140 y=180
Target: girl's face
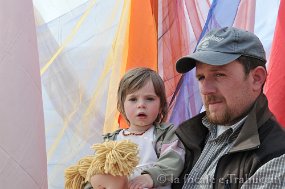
x=142 y=107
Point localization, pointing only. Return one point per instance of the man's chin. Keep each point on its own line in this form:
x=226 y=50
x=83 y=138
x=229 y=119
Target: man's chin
x=221 y=119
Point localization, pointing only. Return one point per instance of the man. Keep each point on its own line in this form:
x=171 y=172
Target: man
x=236 y=142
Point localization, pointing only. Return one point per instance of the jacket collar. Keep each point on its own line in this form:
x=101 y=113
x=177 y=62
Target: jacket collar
x=160 y=128
x=248 y=137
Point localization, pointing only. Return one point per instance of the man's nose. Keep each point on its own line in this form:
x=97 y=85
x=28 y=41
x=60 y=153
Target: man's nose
x=207 y=87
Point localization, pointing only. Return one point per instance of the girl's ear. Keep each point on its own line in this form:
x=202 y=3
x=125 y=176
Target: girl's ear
x=259 y=75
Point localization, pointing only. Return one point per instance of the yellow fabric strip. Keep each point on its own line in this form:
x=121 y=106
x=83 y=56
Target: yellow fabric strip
x=69 y=38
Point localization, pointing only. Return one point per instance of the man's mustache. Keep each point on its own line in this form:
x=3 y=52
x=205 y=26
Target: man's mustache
x=210 y=99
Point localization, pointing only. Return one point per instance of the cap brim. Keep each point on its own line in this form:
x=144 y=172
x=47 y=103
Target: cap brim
x=187 y=63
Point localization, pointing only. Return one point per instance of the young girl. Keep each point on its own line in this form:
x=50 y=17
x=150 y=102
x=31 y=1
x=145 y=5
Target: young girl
x=142 y=102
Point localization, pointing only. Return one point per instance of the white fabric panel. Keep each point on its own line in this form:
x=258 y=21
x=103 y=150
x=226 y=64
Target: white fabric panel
x=265 y=20
x=53 y=9
x=75 y=85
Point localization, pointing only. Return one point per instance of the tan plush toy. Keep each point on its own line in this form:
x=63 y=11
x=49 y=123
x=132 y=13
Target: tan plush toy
x=112 y=163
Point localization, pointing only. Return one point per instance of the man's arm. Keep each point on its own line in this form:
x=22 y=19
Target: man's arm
x=270 y=175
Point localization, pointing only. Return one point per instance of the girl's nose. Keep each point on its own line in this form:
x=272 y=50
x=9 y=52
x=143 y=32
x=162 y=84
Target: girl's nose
x=141 y=104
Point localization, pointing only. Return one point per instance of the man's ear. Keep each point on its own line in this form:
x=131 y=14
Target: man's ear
x=259 y=75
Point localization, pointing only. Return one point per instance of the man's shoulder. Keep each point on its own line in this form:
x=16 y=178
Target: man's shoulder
x=194 y=119
x=192 y=122
x=272 y=139
x=271 y=131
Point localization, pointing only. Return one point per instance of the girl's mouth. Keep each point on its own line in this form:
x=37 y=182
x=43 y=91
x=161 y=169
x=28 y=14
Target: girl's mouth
x=141 y=115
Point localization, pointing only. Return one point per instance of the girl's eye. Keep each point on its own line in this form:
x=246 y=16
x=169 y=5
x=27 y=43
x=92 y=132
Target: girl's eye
x=132 y=99
x=150 y=99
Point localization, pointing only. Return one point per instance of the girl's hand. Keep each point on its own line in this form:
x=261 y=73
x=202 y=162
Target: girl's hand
x=141 y=182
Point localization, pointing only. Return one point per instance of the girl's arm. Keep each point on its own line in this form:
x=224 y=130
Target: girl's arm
x=171 y=160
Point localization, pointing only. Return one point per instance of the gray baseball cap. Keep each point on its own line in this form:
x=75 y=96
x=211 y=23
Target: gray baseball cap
x=222 y=46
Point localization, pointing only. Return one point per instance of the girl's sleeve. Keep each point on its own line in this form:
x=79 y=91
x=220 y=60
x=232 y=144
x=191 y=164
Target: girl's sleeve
x=170 y=162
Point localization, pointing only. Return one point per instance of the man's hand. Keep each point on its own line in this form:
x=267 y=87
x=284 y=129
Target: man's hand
x=141 y=182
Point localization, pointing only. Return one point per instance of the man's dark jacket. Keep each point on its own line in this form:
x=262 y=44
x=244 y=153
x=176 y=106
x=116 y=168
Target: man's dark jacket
x=259 y=140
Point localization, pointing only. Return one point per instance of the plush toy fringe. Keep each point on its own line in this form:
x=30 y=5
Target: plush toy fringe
x=118 y=158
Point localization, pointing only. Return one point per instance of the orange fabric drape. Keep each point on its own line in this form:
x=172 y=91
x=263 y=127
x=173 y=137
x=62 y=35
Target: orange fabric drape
x=142 y=38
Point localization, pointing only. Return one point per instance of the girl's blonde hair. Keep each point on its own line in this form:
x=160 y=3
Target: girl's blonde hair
x=135 y=79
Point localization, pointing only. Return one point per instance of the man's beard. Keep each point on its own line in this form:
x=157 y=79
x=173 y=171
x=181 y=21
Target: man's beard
x=222 y=118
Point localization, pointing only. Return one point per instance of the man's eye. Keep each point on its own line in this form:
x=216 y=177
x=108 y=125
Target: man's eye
x=220 y=75
x=200 y=78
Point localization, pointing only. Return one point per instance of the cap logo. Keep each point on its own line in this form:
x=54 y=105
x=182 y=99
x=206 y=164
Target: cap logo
x=204 y=44
x=206 y=41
